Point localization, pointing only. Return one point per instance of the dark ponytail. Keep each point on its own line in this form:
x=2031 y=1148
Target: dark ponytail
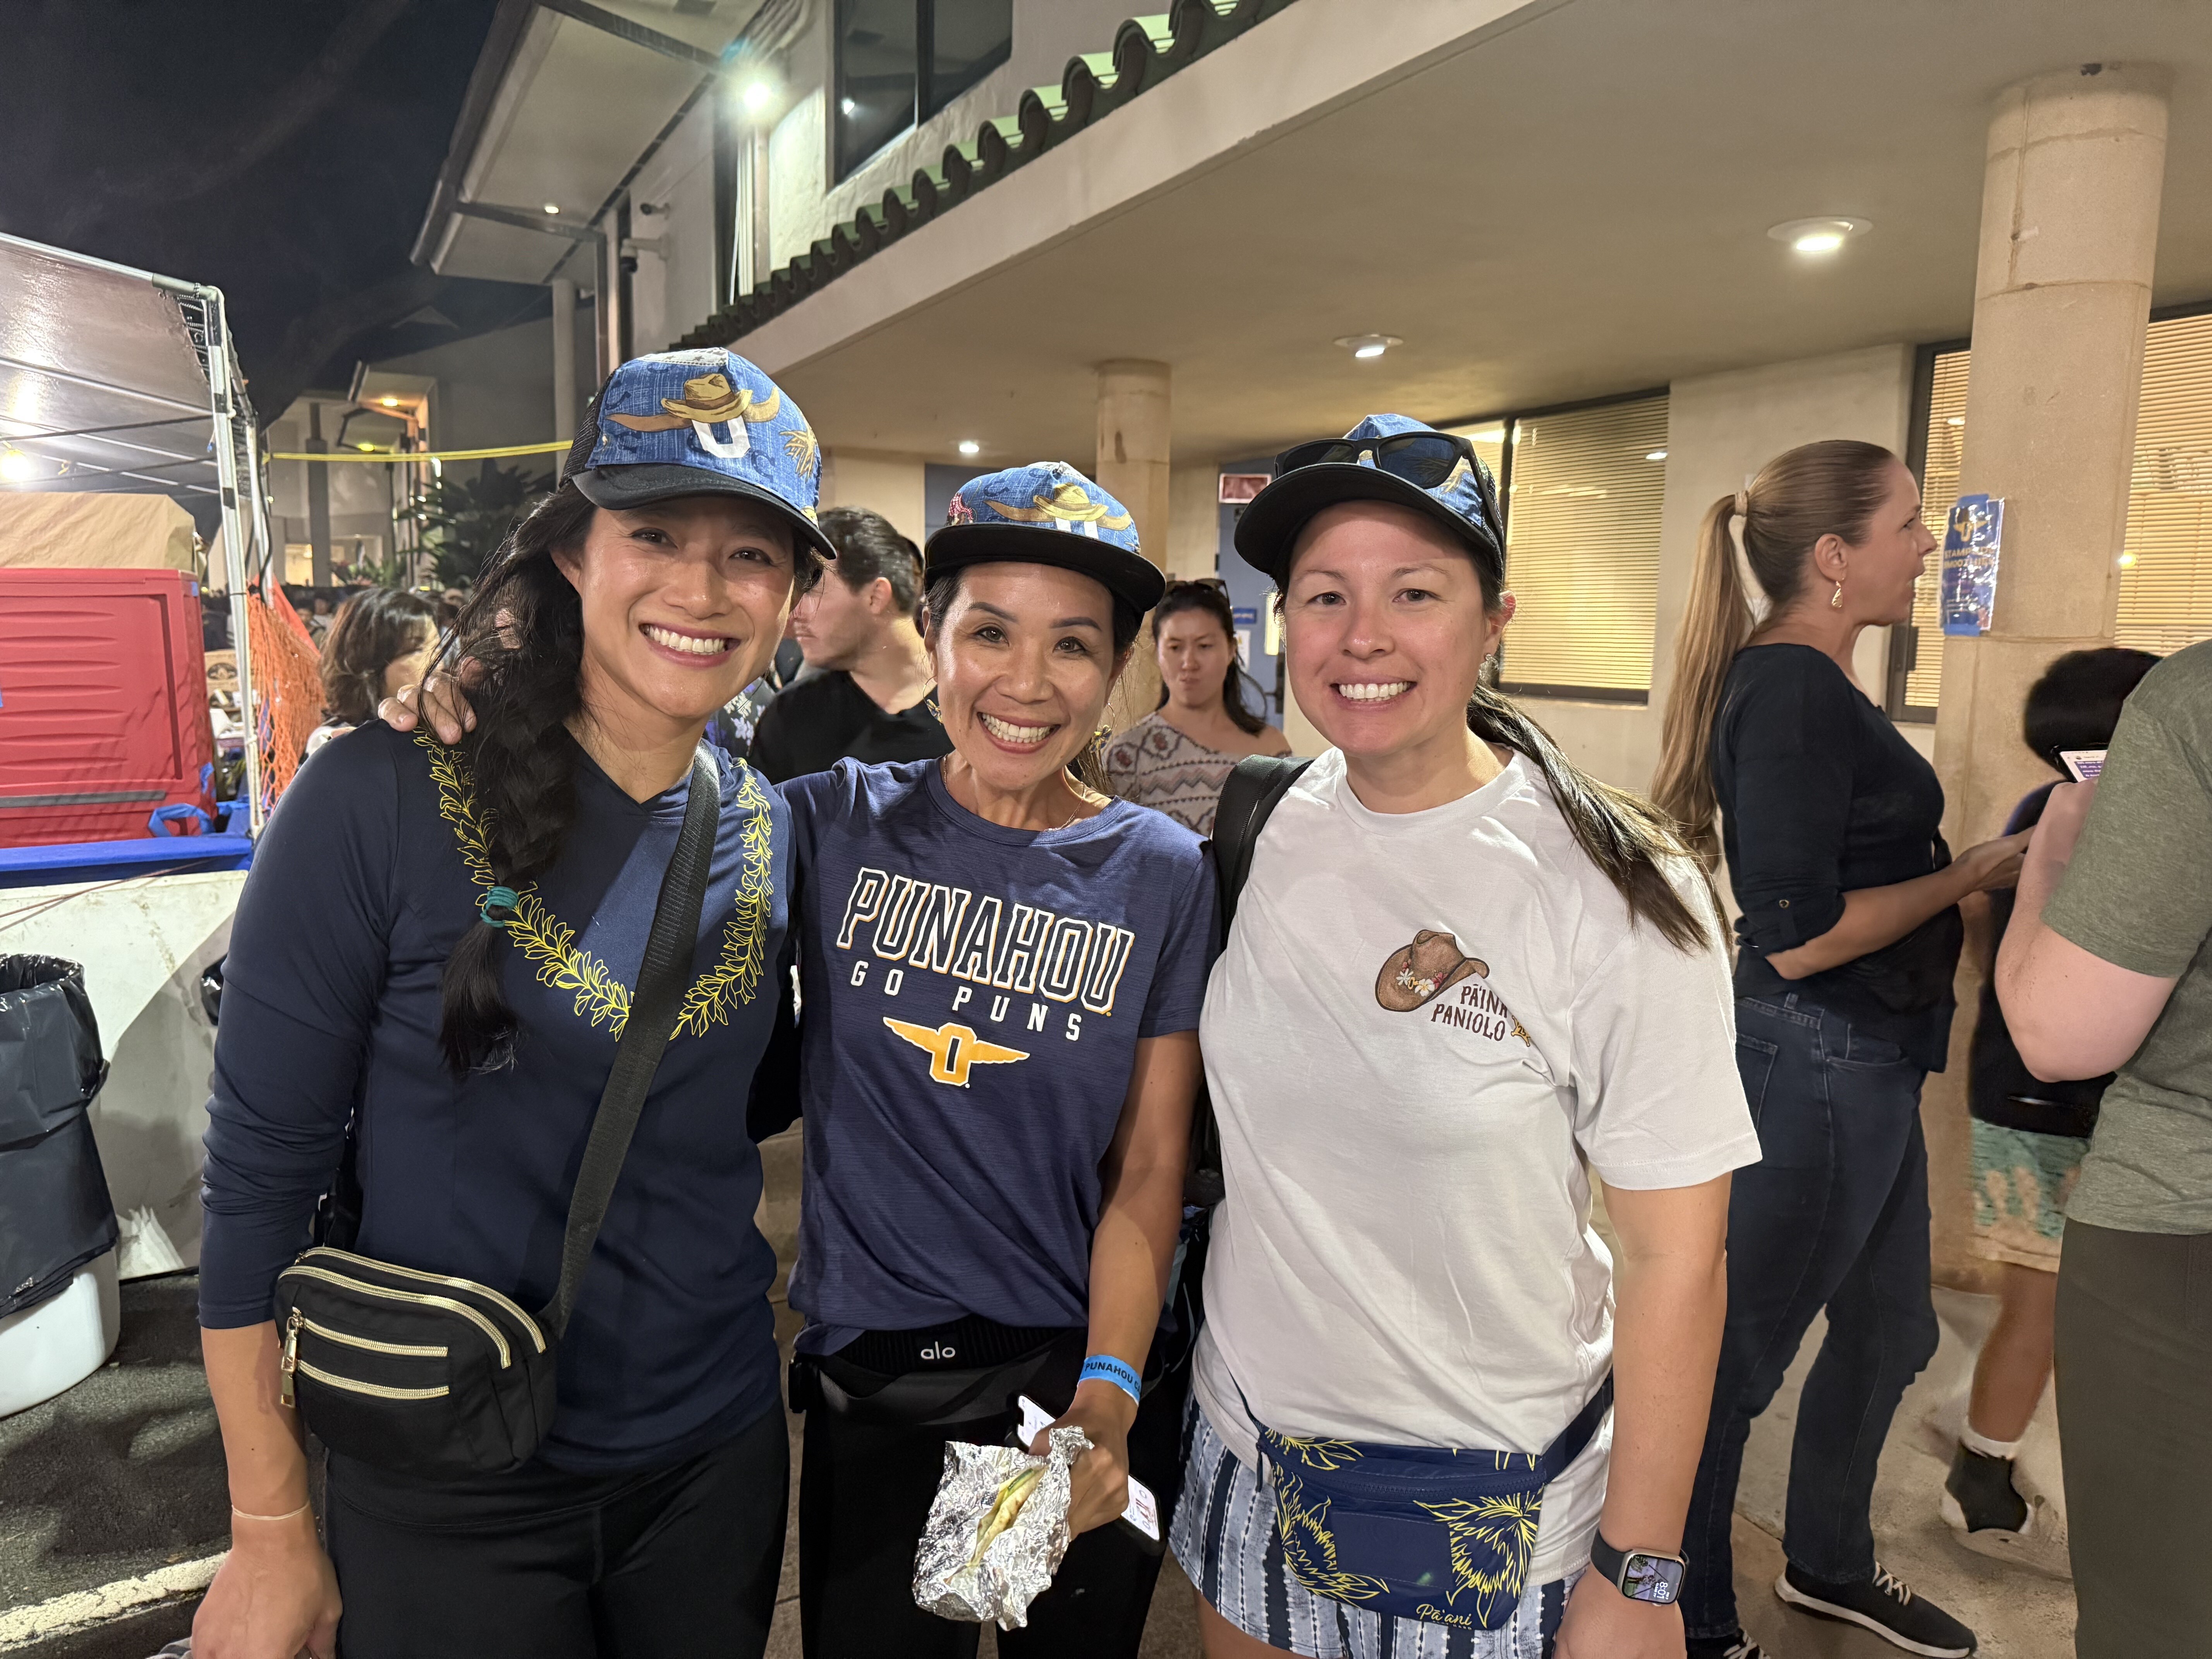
x=1619 y=832
x=524 y=629
x=1211 y=597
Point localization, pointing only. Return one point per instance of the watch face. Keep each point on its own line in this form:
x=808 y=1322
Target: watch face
x=1656 y=1578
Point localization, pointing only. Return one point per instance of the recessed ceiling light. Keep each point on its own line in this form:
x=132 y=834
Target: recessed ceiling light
x=969 y=447
x=1657 y=455
x=757 y=96
x=553 y=207
x=1365 y=346
x=1819 y=237
x=389 y=402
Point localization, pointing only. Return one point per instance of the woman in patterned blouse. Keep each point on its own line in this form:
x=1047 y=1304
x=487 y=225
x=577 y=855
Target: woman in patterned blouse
x=1178 y=757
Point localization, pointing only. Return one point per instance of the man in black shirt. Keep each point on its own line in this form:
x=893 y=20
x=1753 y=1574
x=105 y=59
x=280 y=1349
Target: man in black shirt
x=865 y=691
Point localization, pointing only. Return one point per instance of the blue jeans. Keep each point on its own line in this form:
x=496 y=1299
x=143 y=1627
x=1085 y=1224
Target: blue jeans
x=1834 y=1216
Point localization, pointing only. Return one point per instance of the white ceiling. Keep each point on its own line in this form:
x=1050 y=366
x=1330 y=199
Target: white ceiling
x=1574 y=205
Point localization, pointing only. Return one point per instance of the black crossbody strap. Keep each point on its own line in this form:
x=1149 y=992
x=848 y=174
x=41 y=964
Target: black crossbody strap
x=653 y=1009
x=1248 y=796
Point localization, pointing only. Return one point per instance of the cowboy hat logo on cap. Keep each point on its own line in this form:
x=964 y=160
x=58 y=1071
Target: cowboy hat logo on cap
x=1070 y=506
x=709 y=401
x=681 y=422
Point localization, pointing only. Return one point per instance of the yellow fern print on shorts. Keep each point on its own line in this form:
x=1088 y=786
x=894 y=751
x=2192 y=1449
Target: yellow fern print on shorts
x=549 y=943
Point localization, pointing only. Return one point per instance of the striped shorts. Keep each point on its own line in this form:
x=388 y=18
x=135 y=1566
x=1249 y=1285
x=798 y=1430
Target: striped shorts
x=1223 y=1534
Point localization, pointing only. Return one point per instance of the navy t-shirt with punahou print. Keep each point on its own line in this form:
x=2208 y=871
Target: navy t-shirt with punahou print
x=972 y=997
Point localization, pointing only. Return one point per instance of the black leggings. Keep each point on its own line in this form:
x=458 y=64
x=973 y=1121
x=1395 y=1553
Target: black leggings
x=666 y=1564
x=864 y=1493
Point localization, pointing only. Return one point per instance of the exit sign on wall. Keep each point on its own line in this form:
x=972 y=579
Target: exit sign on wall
x=1238 y=488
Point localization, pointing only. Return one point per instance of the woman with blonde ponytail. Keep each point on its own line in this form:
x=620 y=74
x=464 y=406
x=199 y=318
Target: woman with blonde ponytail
x=1849 y=934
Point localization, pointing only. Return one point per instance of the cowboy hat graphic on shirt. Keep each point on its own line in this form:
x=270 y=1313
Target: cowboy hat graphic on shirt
x=1418 y=973
x=708 y=401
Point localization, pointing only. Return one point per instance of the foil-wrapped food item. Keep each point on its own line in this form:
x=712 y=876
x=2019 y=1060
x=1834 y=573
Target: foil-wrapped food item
x=997 y=1529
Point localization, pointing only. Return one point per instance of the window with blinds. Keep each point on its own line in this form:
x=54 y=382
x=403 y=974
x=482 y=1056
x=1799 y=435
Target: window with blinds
x=2165 y=558
x=1584 y=491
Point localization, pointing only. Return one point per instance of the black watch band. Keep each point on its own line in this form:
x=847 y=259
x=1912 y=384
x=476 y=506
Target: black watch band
x=1639 y=1575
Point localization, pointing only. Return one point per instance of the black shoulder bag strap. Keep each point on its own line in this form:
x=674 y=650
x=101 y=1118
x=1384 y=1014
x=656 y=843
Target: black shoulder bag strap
x=661 y=981
x=1253 y=786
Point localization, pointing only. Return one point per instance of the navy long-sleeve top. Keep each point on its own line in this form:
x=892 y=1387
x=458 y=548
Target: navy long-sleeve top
x=1821 y=796
x=361 y=887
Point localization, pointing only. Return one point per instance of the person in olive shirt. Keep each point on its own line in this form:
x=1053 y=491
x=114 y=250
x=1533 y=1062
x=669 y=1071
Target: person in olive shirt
x=2105 y=967
x=865 y=692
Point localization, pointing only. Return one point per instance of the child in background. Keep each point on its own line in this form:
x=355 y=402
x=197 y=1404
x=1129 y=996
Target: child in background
x=2029 y=1139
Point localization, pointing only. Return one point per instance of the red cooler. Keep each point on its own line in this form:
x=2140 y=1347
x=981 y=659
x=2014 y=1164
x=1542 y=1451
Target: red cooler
x=103 y=705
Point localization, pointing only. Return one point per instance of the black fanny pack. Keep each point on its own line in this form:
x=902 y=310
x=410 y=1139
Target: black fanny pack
x=915 y=1378
x=421 y=1374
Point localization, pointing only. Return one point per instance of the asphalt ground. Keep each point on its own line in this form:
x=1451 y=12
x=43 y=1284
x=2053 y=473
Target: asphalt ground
x=120 y=1476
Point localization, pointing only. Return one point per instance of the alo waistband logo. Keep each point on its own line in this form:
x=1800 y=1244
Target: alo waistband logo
x=939 y=1351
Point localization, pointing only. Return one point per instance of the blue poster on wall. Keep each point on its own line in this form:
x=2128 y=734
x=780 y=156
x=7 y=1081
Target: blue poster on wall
x=1971 y=544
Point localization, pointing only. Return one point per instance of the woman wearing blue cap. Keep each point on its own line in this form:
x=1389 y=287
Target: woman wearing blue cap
x=1460 y=972
x=510 y=985
x=1001 y=971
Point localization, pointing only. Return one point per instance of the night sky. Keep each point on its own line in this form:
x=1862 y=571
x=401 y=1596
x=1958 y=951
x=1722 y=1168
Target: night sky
x=284 y=151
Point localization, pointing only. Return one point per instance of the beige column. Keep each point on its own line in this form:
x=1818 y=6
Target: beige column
x=2075 y=163
x=1133 y=431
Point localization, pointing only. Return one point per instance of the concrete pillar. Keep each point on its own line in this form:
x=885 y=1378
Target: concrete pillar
x=318 y=498
x=1134 y=432
x=2075 y=164
x=564 y=357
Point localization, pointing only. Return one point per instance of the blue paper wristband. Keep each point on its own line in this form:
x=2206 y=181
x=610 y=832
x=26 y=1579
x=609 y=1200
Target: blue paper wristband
x=1105 y=1367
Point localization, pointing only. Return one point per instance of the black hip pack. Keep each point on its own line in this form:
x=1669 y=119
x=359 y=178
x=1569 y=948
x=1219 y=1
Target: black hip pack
x=421 y=1374
x=874 y=1385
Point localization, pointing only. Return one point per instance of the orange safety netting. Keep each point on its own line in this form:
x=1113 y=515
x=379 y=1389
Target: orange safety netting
x=288 y=683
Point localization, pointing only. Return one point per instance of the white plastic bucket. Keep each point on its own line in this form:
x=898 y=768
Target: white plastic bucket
x=63 y=1341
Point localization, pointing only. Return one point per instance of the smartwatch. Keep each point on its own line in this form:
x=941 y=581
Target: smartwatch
x=1639 y=1575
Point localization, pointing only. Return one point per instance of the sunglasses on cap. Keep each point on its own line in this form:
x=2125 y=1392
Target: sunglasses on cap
x=1424 y=459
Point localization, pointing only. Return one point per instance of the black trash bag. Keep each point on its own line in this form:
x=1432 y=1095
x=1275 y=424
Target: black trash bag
x=55 y=1212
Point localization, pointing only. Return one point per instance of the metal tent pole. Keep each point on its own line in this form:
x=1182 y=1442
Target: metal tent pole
x=223 y=399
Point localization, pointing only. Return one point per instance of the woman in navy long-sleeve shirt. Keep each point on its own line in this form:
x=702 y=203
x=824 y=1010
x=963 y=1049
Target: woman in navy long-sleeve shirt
x=1849 y=934
x=365 y=988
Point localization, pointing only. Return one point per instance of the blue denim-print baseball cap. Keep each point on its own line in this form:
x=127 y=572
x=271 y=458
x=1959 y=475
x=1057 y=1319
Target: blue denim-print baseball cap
x=1386 y=458
x=699 y=423
x=1046 y=513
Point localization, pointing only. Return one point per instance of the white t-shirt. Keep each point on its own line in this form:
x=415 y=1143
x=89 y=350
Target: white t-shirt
x=1418 y=1020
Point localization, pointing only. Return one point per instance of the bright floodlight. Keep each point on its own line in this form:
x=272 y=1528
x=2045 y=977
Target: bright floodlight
x=757 y=96
x=16 y=466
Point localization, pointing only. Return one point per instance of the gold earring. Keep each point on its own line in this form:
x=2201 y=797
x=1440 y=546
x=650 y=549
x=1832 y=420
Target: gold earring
x=1836 y=599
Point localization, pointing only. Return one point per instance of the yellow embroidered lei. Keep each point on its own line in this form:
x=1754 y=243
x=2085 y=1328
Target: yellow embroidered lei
x=551 y=943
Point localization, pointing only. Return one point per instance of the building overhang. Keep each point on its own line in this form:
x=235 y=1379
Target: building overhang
x=1545 y=201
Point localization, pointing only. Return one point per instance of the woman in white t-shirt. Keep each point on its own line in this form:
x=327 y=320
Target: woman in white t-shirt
x=1459 y=974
